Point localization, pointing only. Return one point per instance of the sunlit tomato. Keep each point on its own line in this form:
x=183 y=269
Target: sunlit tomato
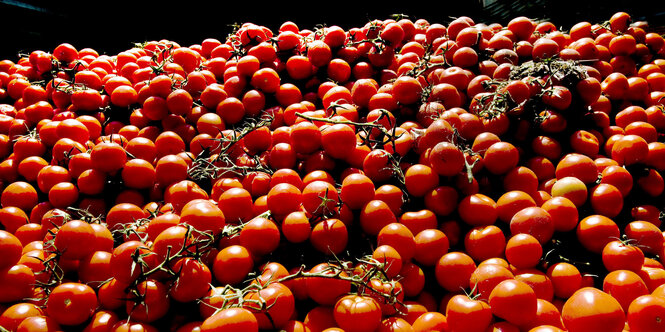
x=590 y=308
x=467 y=314
x=478 y=210
x=462 y=265
x=326 y=290
x=231 y=319
x=625 y=286
x=514 y=301
x=272 y=306
x=71 y=303
x=357 y=313
x=644 y=312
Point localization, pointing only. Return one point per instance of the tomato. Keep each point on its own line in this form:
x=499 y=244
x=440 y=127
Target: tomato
x=357 y=313
x=643 y=313
x=272 y=306
x=203 y=215
x=484 y=242
x=523 y=250
x=566 y=279
x=320 y=198
x=461 y=263
x=375 y=215
x=123 y=258
x=19 y=194
x=595 y=231
x=357 y=189
x=514 y=301
x=11 y=249
x=75 y=239
x=625 y=286
x=192 y=282
x=591 y=308
x=260 y=236
x=38 y=323
x=571 y=188
x=329 y=236
x=326 y=290
x=17 y=283
x=478 y=210
x=231 y=319
x=644 y=234
x=486 y=276
x=446 y=159
x=467 y=314
x=71 y=303
x=620 y=255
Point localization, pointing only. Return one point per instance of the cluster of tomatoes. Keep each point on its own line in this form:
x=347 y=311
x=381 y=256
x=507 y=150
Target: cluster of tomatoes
x=399 y=176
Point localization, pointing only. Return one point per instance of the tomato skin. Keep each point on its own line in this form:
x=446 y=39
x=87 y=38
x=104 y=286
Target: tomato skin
x=278 y=300
x=484 y=242
x=468 y=315
x=326 y=291
x=154 y=302
x=624 y=286
x=590 y=308
x=16 y=283
x=523 y=250
x=260 y=236
x=478 y=210
x=37 y=324
x=74 y=239
x=462 y=265
x=595 y=231
x=357 y=313
x=11 y=248
x=192 y=282
x=514 y=301
x=617 y=255
x=644 y=313
x=232 y=320
x=71 y=303
x=329 y=236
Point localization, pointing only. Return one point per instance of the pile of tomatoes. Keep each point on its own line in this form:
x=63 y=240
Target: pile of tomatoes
x=403 y=175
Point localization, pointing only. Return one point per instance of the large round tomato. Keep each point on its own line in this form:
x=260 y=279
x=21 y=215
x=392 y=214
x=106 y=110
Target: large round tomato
x=592 y=309
x=232 y=320
x=71 y=303
x=357 y=313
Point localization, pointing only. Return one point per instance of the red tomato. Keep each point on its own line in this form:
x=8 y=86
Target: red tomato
x=357 y=313
x=590 y=308
x=71 y=303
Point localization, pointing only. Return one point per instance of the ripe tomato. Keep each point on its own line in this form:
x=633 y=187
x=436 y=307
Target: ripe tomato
x=357 y=313
x=326 y=290
x=467 y=314
x=595 y=231
x=232 y=320
x=273 y=306
x=75 y=239
x=625 y=286
x=484 y=242
x=478 y=210
x=590 y=308
x=619 y=255
x=523 y=250
x=71 y=303
x=644 y=312
x=357 y=189
x=11 y=249
x=462 y=265
x=514 y=301
x=260 y=236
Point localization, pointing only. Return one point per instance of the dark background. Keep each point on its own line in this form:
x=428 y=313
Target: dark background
x=112 y=26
